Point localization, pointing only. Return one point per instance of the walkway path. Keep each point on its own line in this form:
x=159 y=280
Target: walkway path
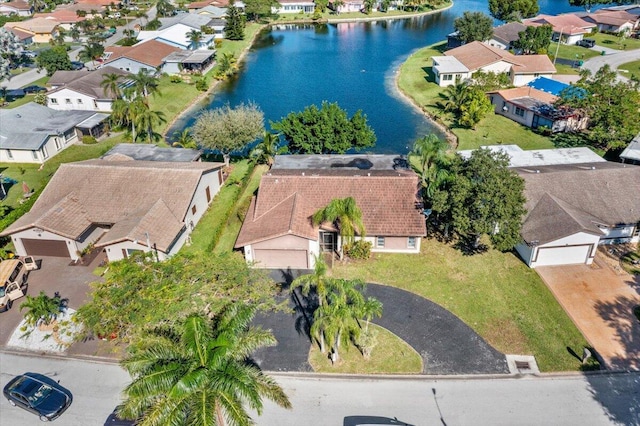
x=614 y=60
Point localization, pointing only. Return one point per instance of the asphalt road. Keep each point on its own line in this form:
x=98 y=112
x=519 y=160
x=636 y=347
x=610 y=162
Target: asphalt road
x=614 y=60
x=601 y=399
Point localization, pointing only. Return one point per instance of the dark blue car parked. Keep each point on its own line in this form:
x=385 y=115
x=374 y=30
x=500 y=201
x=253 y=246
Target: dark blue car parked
x=38 y=394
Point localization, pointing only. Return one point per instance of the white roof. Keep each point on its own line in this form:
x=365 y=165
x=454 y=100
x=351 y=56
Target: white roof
x=176 y=34
x=542 y=157
x=448 y=64
x=632 y=152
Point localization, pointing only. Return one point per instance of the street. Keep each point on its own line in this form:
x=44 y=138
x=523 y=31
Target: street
x=599 y=399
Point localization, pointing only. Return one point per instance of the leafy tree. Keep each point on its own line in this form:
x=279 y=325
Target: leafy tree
x=9 y=44
x=229 y=129
x=453 y=97
x=227 y=66
x=325 y=130
x=265 y=151
x=611 y=106
x=127 y=301
x=488 y=81
x=259 y=9
x=235 y=24
x=337 y=4
x=165 y=8
x=153 y=25
x=41 y=309
x=475 y=109
x=474 y=26
x=429 y=158
x=513 y=10
x=483 y=197
x=198 y=372
x=534 y=40
x=54 y=59
x=345 y=215
x=145 y=83
x=368 y=6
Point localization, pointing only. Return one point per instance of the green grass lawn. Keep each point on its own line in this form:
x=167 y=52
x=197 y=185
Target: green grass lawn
x=633 y=69
x=416 y=81
x=614 y=42
x=494 y=293
x=391 y=355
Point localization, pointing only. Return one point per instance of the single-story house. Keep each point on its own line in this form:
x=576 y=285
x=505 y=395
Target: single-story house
x=633 y=9
x=121 y=206
x=347 y=6
x=16 y=7
x=148 y=56
x=177 y=35
x=278 y=231
x=613 y=21
x=294 y=6
x=631 y=153
x=189 y=61
x=32 y=133
x=505 y=35
x=534 y=108
x=533 y=158
x=460 y=64
x=150 y=152
x=25 y=38
x=64 y=17
x=199 y=21
x=571 y=209
x=211 y=11
x=81 y=90
x=569 y=28
x=42 y=29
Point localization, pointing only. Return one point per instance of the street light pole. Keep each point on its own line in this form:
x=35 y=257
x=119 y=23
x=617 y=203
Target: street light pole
x=558 y=47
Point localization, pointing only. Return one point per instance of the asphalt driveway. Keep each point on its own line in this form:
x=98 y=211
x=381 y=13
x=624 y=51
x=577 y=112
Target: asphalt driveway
x=600 y=302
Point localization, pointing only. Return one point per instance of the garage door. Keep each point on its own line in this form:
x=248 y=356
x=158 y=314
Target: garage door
x=54 y=248
x=566 y=255
x=295 y=259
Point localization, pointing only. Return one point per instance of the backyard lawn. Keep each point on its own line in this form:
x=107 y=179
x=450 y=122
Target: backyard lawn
x=494 y=293
x=632 y=68
x=416 y=80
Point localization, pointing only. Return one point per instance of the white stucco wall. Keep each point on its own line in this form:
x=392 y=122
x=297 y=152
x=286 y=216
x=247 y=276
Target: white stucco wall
x=522 y=79
x=127 y=64
x=41 y=234
x=65 y=99
x=530 y=255
x=48 y=150
x=114 y=251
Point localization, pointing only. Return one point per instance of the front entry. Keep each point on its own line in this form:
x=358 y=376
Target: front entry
x=328 y=241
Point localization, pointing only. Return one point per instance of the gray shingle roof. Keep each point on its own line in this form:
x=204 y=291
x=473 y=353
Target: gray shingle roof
x=632 y=152
x=89 y=83
x=508 y=33
x=147 y=152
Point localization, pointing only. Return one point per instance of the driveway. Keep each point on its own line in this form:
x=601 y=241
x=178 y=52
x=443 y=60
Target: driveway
x=600 y=302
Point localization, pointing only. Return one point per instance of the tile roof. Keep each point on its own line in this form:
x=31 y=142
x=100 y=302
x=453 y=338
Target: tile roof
x=22 y=35
x=526 y=91
x=608 y=17
x=285 y=203
x=18 y=5
x=508 y=33
x=588 y=194
x=89 y=83
x=150 y=53
x=130 y=195
x=62 y=16
x=35 y=25
x=476 y=55
x=567 y=23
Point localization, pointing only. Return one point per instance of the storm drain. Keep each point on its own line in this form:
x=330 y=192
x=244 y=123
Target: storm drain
x=522 y=364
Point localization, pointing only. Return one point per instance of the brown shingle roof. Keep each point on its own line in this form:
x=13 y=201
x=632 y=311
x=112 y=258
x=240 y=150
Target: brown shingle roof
x=286 y=202
x=130 y=195
x=150 y=53
x=609 y=17
x=509 y=32
x=87 y=83
x=476 y=55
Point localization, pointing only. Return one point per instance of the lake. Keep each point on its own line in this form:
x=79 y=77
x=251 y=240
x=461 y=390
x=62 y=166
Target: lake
x=353 y=64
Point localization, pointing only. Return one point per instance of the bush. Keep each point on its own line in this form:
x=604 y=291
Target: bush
x=360 y=249
x=89 y=140
x=202 y=85
x=175 y=79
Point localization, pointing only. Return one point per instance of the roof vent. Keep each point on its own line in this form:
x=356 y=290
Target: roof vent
x=593 y=167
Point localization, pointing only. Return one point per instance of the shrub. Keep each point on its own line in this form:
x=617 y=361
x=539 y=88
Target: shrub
x=89 y=140
x=175 y=79
x=202 y=85
x=360 y=249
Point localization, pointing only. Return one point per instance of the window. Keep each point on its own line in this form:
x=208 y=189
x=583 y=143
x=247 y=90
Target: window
x=193 y=209
x=519 y=111
x=67 y=101
x=45 y=154
x=58 y=144
x=95 y=104
x=9 y=154
x=53 y=101
x=447 y=77
x=79 y=101
x=34 y=154
x=411 y=242
x=379 y=241
x=208 y=192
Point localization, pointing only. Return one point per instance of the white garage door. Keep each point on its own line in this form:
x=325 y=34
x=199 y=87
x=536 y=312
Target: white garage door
x=567 y=255
x=294 y=259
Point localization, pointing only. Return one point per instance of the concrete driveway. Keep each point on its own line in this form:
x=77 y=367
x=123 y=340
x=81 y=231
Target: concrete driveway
x=600 y=302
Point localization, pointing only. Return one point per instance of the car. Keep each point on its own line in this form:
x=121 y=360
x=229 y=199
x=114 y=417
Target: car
x=77 y=65
x=586 y=42
x=38 y=394
x=13 y=280
x=29 y=53
x=34 y=89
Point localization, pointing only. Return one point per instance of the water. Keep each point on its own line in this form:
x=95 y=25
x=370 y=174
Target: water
x=354 y=64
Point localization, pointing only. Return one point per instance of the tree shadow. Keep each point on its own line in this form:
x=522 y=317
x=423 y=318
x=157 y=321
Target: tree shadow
x=618 y=396
x=469 y=247
x=372 y=420
x=619 y=315
x=303 y=309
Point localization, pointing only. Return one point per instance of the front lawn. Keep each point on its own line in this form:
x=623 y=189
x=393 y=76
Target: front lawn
x=632 y=68
x=614 y=42
x=416 y=80
x=494 y=293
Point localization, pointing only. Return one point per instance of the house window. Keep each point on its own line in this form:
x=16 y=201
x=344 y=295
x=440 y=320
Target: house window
x=411 y=242
x=53 y=101
x=79 y=101
x=379 y=241
x=95 y=104
x=34 y=154
x=327 y=241
x=519 y=111
x=447 y=77
x=208 y=192
x=9 y=154
x=193 y=209
x=45 y=154
x=58 y=144
x=67 y=101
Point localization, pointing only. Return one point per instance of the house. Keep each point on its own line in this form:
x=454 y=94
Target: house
x=199 y=22
x=569 y=28
x=631 y=153
x=556 y=87
x=346 y=6
x=505 y=35
x=146 y=56
x=189 y=61
x=535 y=109
x=64 y=17
x=32 y=133
x=177 y=35
x=278 y=231
x=41 y=29
x=460 y=64
x=82 y=90
x=571 y=209
x=533 y=158
x=16 y=7
x=149 y=152
x=294 y=6
x=211 y=11
x=613 y=21
x=633 y=9
x=121 y=206
x=23 y=37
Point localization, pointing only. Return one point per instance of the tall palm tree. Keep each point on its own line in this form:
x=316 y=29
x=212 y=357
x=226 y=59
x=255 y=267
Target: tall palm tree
x=145 y=83
x=429 y=158
x=198 y=372
x=346 y=215
x=265 y=151
x=184 y=139
x=111 y=85
x=90 y=52
x=195 y=37
x=146 y=119
x=317 y=281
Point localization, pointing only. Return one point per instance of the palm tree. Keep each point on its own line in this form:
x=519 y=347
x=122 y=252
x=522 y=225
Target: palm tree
x=345 y=214
x=41 y=309
x=226 y=66
x=184 y=139
x=111 y=85
x=454 y=97
x=198 y=372
x=317 y=281
x=195 y=37
x=91 y=52
x=146 y=119
x=265 y=151
x=145 y=83
x=429 y=159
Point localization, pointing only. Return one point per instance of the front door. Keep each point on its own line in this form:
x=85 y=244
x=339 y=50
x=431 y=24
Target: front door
x=328 y=241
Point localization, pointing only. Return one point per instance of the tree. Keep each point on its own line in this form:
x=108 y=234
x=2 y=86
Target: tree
x=611 y=106
x=229 y=129
x=198 y=372
x=368 y=6
x=226 y=66
x=235 y=24
x=454 y=97
x=534 y=40
x=146 y=119
x=195 y=37
x=513 y=10
x=259 y=9
x=588 y=4
x=430 y=159
x=41 y=309
x=474 y=26
x=265 y=151
x=475 y=109
x=9 y=44
x=145 y=83
x=165 y=8
x=111 y=85
x=325 y=130
x=345 y=215
x=184 y=139
x=90 y=52
x=54 y=59
x=484 y=197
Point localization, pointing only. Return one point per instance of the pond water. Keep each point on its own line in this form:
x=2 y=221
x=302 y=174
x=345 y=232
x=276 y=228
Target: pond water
x=354 y=64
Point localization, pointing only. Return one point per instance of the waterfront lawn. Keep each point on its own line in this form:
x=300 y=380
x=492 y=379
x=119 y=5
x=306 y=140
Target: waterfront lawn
x=633 y=69
x=416 y=80
x=494 y=293
x=614 y=42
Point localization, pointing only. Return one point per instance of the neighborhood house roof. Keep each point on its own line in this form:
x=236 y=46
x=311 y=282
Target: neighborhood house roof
x=150 y=53
x=569 y=23
x=518 y=157
x=192 y=20
x=62 y=16
x=611 y=17
x=147 y=152
x=448 y=64
x=632 y=152
x=476 y=55
x=564 y=199
x=175 y=34
x=508 y=33
x=28 y=126
x=133 y=197
x=527 y=92
x=22 y=35
x=190 y=56
x=287 y=199
x=35 y=25
x=88 y=83
x=17 y=5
